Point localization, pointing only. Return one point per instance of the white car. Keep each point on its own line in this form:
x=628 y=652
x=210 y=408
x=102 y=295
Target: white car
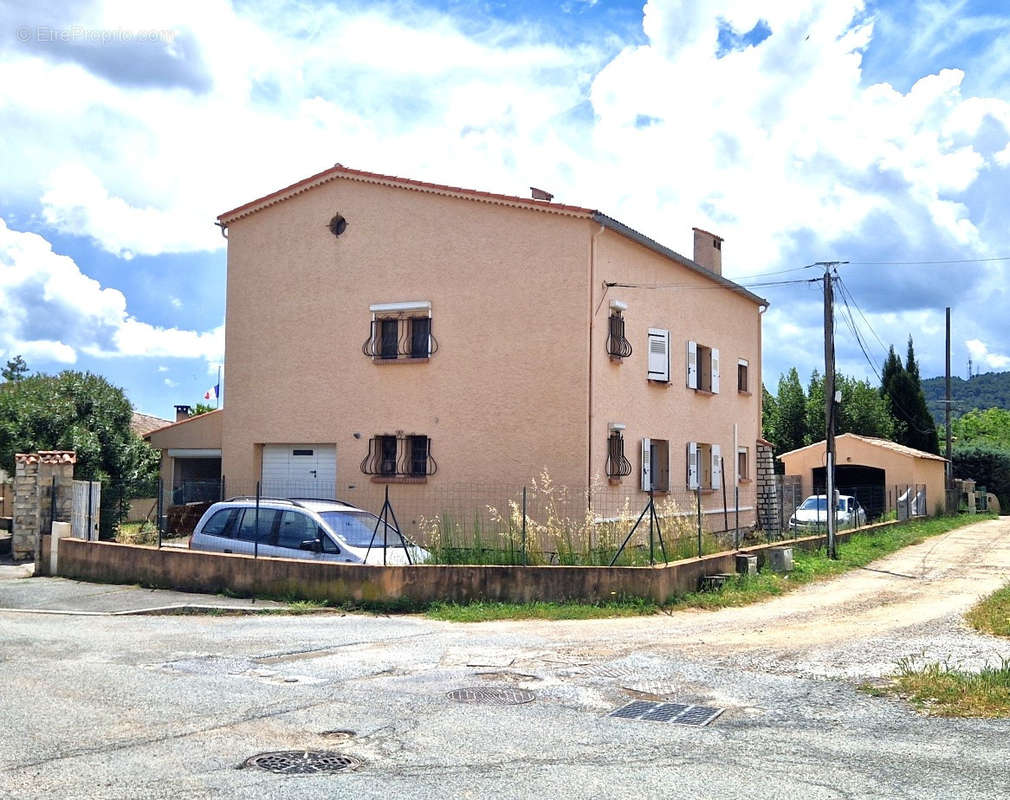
x=320 y=530
x=813 y=513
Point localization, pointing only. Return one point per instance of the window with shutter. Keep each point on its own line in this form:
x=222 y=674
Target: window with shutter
x=646 y=464
x=702 y=368
x=659 y=355
x=692 y=465
x=400 y=332
x=714 y=383
x=742 y=368
x=692 y=365
x=716 y=467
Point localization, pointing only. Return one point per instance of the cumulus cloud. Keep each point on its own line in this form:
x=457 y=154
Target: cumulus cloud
x=51 y=311
x=981 y=355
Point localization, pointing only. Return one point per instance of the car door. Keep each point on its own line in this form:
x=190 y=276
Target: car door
x=256 y=531
x=295 y=527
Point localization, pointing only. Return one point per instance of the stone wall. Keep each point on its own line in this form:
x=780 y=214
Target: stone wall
x=768 y=509
x=35 y=477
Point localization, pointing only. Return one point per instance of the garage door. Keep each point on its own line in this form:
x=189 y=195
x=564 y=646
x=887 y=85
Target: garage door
x=300 y=470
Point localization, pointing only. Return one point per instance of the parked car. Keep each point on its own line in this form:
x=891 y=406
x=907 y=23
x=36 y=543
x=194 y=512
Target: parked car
x=813 y=513
x=323 y=530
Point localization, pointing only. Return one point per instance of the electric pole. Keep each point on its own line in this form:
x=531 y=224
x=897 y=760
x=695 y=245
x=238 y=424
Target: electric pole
x=829 y=401
x=946 y=417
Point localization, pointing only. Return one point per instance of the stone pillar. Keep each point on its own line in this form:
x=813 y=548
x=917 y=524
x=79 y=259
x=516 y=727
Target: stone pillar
x=33 y=486
x=767 y=494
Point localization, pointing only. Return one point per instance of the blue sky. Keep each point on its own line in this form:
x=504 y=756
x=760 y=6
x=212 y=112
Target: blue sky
x=802 y=131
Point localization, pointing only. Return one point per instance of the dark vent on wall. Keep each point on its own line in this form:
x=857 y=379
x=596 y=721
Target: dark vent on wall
x=338 y=225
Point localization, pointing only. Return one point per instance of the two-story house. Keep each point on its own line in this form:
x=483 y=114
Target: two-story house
x=383 y=331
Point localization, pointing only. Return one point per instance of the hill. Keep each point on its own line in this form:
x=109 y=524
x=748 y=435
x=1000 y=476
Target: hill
x=989 y=390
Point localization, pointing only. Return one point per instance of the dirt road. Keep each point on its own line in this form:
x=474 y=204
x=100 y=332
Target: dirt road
x=909 y=604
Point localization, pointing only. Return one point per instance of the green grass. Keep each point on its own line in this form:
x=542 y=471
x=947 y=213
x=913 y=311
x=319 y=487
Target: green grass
x=949 y=692
x=485 y=611
x=992 y=614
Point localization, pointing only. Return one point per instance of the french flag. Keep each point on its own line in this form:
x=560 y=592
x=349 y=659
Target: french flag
x=212 y=392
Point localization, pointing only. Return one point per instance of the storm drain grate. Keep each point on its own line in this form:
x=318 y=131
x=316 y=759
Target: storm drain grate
x=491 y=696
x=302 y=762
x=668 y=712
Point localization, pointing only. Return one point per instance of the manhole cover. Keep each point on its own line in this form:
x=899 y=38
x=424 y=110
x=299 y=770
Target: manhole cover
x=338 y=735
x=681 y=713
x=491 y=696
x=302 y=762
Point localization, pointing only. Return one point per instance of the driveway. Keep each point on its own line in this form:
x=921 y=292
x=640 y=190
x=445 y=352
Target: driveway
x=167 y=707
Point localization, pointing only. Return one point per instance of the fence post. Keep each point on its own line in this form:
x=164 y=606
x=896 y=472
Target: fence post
x=524 y=525
x=736 y=520
x=698 y=496
x=223 y=484
x=256 y=537
x=722 y=480
x=652 y=527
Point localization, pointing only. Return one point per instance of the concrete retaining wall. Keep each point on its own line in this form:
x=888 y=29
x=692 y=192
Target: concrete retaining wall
x=194 y=571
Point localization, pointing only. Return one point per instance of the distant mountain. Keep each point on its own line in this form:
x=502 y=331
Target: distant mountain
x=989 y=390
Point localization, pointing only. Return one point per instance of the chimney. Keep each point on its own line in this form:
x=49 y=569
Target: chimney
x=182 y=412
x=541 y=194
x=708 y=250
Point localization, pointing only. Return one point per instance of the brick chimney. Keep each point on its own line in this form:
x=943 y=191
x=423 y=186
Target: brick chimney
x=708 y=250
x=182 y=412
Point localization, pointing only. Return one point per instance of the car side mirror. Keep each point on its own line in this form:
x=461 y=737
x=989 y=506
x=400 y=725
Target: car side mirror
x=312 y=544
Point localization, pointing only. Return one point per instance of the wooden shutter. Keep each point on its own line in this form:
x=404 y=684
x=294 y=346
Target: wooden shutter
x=692 y=365
x=646 y=465
x=716 y=466
x=692 y=465
x=715 y=371
x=659 y=355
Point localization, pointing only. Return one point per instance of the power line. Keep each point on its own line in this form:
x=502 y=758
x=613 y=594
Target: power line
x=622 y=285
x=947 y=261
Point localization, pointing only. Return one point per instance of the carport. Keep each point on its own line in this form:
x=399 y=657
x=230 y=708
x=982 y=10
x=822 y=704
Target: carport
x=866 y=484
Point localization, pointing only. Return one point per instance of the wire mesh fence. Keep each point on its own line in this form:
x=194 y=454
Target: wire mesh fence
x=540 y=522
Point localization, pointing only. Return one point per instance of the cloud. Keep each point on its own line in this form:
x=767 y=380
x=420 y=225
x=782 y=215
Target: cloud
x=170 y=383
x=51 y=311
x=981 y=354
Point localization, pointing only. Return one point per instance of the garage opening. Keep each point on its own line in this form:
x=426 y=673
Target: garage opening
x=866 y=484
x=300 y=470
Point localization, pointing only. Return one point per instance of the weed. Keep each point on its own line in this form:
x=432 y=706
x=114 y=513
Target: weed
x=992 y=614
x=944 y=690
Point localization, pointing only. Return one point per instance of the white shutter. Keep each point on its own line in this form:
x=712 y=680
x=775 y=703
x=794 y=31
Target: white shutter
x=716 y=466
x=692 y=465
x=659 y=355
x=715 y=371
x=646 y=465
x=692 y=365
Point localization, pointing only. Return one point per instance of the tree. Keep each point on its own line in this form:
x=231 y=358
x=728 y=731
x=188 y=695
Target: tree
x=791 y=419
x=989 y=427
x=16 y=370
x=202 y=408
x=863 y=410
x=988 y=466
x=816 y=427
x=902 y=390
x=82 y=412
x=769 y=412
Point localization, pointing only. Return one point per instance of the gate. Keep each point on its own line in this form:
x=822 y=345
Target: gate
x=84 y=514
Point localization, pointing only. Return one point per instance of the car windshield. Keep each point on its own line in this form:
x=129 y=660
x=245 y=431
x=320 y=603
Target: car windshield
x=356 y=528
x=820 y=503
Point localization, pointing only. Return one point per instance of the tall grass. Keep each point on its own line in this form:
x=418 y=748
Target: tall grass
x=561 y=528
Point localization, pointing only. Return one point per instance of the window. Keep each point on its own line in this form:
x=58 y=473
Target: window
x=398 y=456
x=743 y=463
x=262 y=533
x=617 y=465
x=400 y=332
x=222 y=523
x=741 y=376
x=659 y=355
x=295 y=528
x=618 y=347
x=655 y=465
x=704 y=466
x=702 y=368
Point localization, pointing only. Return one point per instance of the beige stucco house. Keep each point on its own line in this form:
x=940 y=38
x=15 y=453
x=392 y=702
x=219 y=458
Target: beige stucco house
x=877 y=471
x=385 y=331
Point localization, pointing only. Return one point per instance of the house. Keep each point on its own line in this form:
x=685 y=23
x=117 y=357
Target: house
x=878 y=472
x=387 y=332
x=190 y=456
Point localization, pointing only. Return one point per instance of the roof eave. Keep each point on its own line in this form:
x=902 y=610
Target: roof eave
x=673 y=255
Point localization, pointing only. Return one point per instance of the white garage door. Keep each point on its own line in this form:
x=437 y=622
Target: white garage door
x=300 y=470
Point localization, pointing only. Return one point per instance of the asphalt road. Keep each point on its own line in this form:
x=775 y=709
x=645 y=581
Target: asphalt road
x=106 y=706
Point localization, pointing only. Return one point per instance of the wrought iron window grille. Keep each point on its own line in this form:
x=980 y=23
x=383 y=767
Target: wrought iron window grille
x=617 y=465
x=617 y=344
x=400 y=338
x=399 y=457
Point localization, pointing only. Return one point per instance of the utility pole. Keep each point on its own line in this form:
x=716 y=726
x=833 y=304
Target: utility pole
x=946 y=416
x=829 y=401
